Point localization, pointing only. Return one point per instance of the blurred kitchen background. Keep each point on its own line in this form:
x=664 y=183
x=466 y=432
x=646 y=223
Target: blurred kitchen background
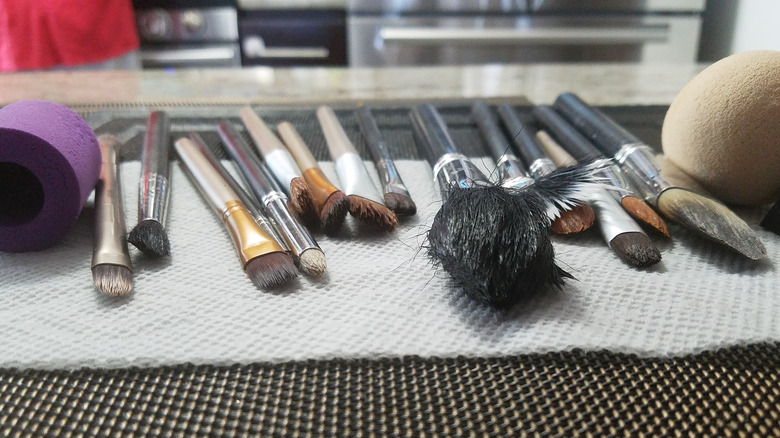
x=371 y=33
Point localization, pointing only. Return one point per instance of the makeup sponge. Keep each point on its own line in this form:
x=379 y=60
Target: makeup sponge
x=49 y=164
x=723 y=128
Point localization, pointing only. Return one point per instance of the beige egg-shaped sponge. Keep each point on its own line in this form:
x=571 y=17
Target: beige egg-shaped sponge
x=723 y=128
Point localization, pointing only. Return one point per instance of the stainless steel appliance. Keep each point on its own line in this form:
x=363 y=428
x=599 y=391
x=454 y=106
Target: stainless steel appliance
x=188 y=33
x=419 y=32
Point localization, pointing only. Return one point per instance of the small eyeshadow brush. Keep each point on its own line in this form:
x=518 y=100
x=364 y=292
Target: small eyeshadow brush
x=703 y=215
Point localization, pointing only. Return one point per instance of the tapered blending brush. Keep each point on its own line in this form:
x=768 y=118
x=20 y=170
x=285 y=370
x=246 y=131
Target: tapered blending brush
x=310 y=257
x=493 y=241
x=332 y=203
x=703 y=215
x=396 y=195
x=584 y=151
x=580 y=217
x=264 y=261
x=365 y=203
x=149 y=234
x=283 y=167
x=112 y=270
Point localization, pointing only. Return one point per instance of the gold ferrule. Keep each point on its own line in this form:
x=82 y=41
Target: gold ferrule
x=250 y=240
x=320 y=186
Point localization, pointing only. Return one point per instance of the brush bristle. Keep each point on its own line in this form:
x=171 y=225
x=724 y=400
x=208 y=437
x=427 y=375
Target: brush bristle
x=568 y=187
x=576 y=220
x=301 y=203
x=495 y=244
x=269 y=270
x=636 y=249
x=334 y=211
x=712 y=220
x=372 y=213
x=401 y=205
x=642 y=212
x=114 y=280
x=312 y=262
x=150 y=238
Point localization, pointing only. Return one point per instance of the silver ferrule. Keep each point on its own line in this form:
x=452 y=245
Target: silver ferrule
x=295 y=235
x=283 y=168
x=542 y=167
x=153 y=197
x=613 y=176
x=355 y=179
x=456 y=171
x=509 y=167
x=638 y=160
x=613 y=220
x=110 y=246
x=390 y=178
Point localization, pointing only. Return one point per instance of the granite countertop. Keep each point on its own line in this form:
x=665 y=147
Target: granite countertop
x=600 y=84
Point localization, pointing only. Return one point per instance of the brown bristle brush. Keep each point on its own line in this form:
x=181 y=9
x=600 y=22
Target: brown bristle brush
x=365 y=202
x=332 y=204
x=283 y=167
x=567 y=137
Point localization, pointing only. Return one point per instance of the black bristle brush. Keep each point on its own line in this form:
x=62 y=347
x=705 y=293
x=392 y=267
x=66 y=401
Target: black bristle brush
x=493 y=241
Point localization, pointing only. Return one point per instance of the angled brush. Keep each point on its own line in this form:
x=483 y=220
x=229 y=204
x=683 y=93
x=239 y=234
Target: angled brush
x=264 y=261
x=112 y=270
x=703 y=215
x=365 y=203
x=584 y=151
x=396 y=195
x=332 y=204
x=283 y=167
x=149 y=235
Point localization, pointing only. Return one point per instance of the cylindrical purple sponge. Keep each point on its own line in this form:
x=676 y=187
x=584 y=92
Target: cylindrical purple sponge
x=49 y=164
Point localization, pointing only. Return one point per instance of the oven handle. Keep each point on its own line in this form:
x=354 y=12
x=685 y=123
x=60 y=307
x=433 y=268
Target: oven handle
x=553 y=35
x=255 y=48
x=187 y=56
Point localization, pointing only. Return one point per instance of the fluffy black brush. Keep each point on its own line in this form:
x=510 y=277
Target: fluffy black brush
x=493 y=241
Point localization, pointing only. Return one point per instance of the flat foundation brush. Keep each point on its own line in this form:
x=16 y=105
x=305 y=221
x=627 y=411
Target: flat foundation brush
x=149 y=235
x=703 y=215
x=365 y=203
x=283 y=167
x=264 y=261
x=332 y=203
x=112 y=270
x=396 y=195
x=493 y=241
x=584 y=151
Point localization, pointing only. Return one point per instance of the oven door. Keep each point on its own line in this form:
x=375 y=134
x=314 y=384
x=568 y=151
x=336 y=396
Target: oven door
x=431 y=40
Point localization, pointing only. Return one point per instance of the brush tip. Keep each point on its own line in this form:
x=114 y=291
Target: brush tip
x=638 y=209
x=401 y=205
x=334 y=210
x=301 y=202
x=636 y=249
x=312 y=262
x=373 y=213
x=577 y=219
x=269 y=270
x=150 y=238
x=114 y=280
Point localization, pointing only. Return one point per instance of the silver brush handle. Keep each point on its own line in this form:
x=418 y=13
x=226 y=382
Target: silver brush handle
x=638 y=160
x=110 y=245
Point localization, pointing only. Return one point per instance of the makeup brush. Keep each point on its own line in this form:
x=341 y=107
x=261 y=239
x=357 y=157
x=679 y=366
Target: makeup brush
x=620 y=231
x=396 y=195
x=580 y=217
x=584 y=151
x=709 y=218
x=365 y=203
x=493 y=241
x=332 y=203
x=310 y=257
x=149 y=234
x=112 y=270
x=283 y=167
x=264 y=261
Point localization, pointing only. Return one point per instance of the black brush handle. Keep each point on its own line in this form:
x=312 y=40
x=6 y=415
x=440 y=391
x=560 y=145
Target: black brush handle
x=527 y=146
x=374 y=140
x=604 y=132
x=567 y=135
x=488 y=125
x=246 y=160
x=429 y=127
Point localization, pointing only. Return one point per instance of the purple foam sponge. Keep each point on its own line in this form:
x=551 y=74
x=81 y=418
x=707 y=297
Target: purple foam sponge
x=49 y=164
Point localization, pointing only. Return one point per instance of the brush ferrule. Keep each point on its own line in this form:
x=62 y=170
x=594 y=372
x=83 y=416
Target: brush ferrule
x=110 y=245
x=510 y=167
x=295 y=235
x=613 y=220
x=320 y=186
x=354 y=177
x=542 y=167
x=283 y=167
x=456 y=171
x=389 y=177
x=638 y=160
x=613 y=176
x=153 y=197
x=250 y=240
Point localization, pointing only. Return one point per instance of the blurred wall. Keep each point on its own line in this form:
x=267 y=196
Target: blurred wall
x=733 y=26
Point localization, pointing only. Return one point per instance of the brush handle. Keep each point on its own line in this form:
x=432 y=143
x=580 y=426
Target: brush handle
x=110 y=245
x=567 y=135
x=529 y=149
x=297 y=147
x=276 y=157
x=154 y=186
x=385 y=167
x=336 y=138
x=509 y=166
x=558 y=154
